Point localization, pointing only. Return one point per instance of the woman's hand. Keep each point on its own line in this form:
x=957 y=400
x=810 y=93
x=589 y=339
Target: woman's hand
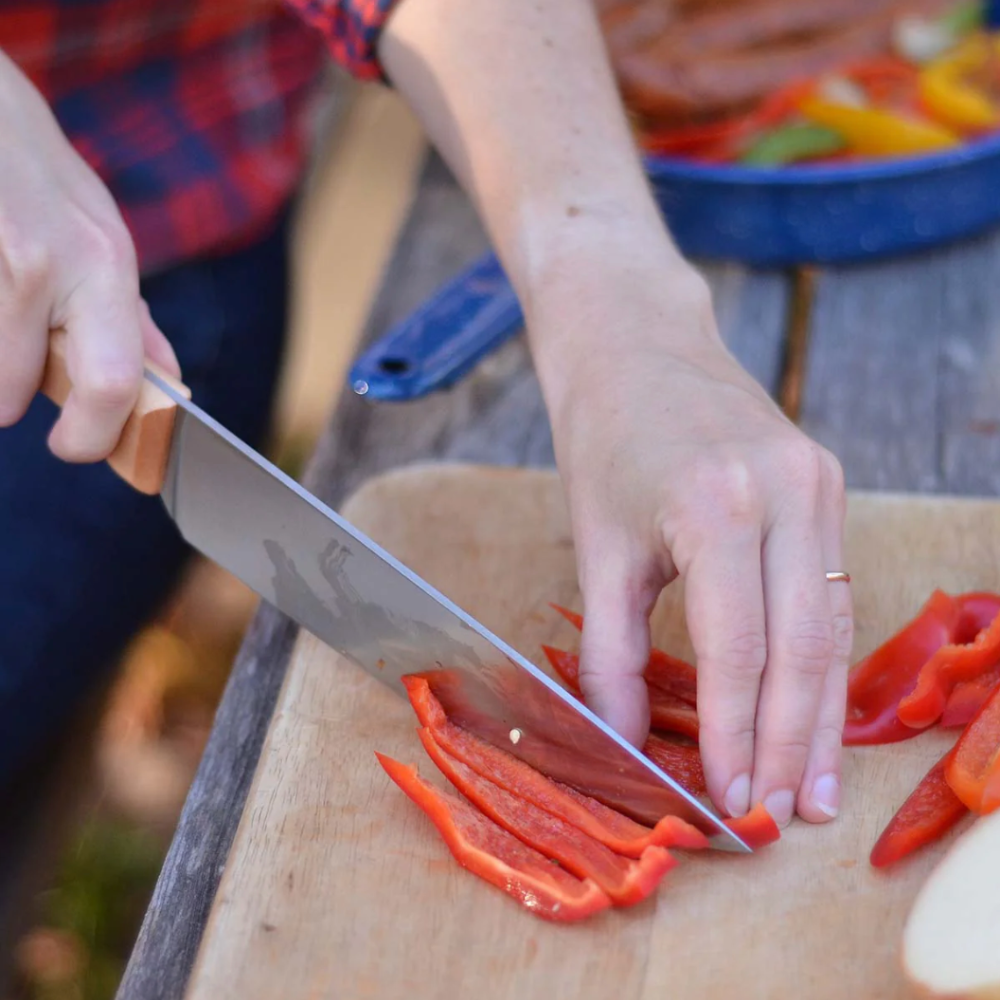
x=677 y=463
x=66 y=260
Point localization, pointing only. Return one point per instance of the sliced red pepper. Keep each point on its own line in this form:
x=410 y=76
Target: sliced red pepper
x=626 y=881
x=879 y=682
x=490 y=852
x=667 y=712
x=608 y=826
x=975 y=762
x=968 y=698
x=929 y=812
x=681 y=761
x=948 y=667
x=671 y=675
x=756 y=829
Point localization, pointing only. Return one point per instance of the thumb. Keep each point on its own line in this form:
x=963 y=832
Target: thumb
x=614 y=649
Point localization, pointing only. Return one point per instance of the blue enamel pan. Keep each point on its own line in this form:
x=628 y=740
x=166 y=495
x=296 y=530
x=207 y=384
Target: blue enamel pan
x=761 y=217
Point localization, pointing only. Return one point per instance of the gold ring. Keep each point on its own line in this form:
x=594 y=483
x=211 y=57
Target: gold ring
x=839 y=577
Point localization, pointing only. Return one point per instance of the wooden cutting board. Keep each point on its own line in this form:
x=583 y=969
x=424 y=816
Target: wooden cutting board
x=337 y=886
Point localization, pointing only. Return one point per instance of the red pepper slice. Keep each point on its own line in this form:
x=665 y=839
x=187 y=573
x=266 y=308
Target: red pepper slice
x=667 y=712
x=948 y=667
x=671 y=675
x=682 y=762
x=929 y=812
x=490 y=852
x=608 y=826
x=624 y=880
x=756 y=829
x=968 y=698
x=879 y=682
x=974 y=764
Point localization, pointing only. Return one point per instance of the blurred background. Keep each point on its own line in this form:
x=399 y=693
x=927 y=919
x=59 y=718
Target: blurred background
x=108 y=838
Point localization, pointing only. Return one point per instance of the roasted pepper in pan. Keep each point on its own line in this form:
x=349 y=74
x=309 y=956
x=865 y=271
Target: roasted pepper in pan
x=949 y=90
x=498 y=857
x=625 y=880
x=872 y=131
x=880 y=681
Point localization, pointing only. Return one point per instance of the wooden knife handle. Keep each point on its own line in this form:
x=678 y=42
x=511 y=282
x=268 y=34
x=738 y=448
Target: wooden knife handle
x=140 y=457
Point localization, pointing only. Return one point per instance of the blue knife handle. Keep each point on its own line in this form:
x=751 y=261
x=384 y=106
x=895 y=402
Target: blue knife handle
x=466 y=319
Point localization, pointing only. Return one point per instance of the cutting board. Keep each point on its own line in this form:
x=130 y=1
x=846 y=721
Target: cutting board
x=338 y=886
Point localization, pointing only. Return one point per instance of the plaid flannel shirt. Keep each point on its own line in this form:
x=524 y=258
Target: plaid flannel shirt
x=194 y=113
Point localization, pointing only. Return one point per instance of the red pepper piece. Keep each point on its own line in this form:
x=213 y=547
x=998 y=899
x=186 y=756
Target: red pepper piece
x=624 y=880
x=667 y=711
x=879 y=682
x=672 y=676
x=682 y=762
x=949 y=666
x=490 y=852
x=756 y=829
x=968 y=698
x=608 y=826
x=975 y=762
x=929 y=812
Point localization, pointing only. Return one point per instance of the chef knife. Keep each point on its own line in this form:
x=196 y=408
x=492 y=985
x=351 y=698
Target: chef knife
x=243 y=513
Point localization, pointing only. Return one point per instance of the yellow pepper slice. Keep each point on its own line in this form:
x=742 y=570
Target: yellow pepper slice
x=873 y=132
x=948 y=94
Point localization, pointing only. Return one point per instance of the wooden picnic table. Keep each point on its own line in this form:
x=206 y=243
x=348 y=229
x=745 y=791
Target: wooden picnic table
x=894 y=366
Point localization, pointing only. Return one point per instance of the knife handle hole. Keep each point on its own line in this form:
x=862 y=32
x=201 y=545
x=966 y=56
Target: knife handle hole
x=394 y=366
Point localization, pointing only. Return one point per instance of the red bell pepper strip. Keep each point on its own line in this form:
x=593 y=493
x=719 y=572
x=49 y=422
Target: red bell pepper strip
x=756 y=829
x=624 y=880
x=976 y=611
x=974 y=764
x=667 y=712
x=968 y=698
x=929 y=812
x=948 y=667
x=682 y=762
x=496 y=856
x=879 y=682
x=608 y=826
x=671 y=675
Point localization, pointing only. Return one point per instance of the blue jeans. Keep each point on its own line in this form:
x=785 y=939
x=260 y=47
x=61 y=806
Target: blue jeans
x=85 y=560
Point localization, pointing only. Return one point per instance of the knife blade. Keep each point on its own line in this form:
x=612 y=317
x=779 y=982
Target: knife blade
x=250 y=518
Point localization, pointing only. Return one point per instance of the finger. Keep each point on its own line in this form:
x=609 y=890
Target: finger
x=155 y=342
x=24 y=339
x=819 y=795
x=725 y=615
x=617 y=596
x=800 y=646
x=105 y=361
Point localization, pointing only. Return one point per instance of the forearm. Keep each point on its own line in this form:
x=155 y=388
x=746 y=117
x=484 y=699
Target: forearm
x=519 y=98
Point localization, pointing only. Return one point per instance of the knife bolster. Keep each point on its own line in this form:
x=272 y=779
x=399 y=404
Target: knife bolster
x=140 y=457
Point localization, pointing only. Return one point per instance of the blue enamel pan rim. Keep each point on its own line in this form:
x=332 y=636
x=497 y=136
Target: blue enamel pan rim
x=670 y=168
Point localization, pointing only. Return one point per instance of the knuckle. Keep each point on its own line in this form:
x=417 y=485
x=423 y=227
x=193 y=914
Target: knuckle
x=842 y=636
x=802 y=467
x=109 y=246
x=788 y=744
x=743 y=654
x=724 y=489
x=113 y=388
x=810 y=646
x=25 y=263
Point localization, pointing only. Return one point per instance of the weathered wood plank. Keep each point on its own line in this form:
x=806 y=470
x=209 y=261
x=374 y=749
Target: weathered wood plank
x=494 y=416
x=903 y=377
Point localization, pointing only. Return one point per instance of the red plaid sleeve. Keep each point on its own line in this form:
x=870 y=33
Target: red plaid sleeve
x=351 y=29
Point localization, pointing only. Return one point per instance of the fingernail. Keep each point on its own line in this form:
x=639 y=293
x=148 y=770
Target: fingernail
x=780 y=805
x=737 y=800
x=826 y=794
